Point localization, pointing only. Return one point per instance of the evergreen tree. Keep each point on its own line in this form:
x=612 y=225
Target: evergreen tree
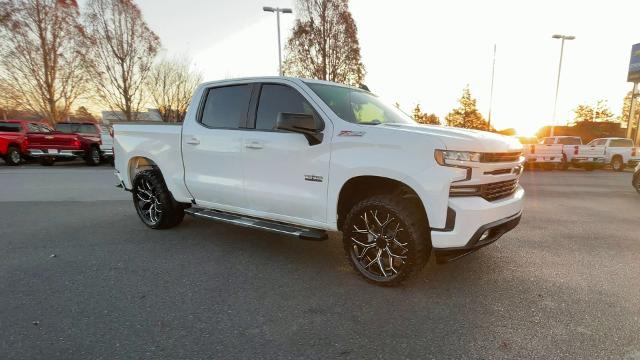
x=424 y=118
x=467 y=115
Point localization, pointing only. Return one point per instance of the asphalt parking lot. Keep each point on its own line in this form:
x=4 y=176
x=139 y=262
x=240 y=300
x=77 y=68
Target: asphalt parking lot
x=82 y=278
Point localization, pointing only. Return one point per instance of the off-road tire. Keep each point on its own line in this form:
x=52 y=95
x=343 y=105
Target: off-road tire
x=636 y=183
x=617 y=164
x=415 y=235
x=169 y=213
x=13 y=156
x=93 y=156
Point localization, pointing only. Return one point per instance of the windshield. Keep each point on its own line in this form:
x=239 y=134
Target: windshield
x=77 y=128
x=358 y=106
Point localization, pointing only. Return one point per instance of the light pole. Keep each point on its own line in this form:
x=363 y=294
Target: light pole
x=278 y=10
x=555 y=102
x=493 y=72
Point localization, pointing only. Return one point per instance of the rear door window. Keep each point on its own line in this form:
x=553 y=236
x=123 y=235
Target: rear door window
x=275 y=99
x=226 y=107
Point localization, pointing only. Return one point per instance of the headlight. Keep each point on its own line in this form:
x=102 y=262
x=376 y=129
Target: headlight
x=446 y=157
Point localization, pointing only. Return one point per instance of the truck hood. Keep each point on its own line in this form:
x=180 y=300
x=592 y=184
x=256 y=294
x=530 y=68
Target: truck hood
x=462 y=139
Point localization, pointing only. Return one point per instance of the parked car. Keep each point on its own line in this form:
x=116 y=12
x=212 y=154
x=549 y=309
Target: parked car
x=12 y=141
x=303 y=157
x=636 y=178
x=564 y=151
x=619 y=152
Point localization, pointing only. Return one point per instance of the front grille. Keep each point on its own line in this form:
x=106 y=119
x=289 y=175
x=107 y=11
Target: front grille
x=490 y=192
x=498 y=190
x=500 y=157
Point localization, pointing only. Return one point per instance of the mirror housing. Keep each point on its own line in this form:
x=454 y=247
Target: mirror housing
x=304 y=124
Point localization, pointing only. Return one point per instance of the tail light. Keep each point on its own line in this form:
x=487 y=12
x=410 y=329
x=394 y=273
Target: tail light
x=532 y=149
x=76 y=143
x=575 y=150
x=634 y=151
x=111 y=131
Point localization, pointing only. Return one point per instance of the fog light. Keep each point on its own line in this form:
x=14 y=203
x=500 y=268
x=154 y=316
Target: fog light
x=484 y=235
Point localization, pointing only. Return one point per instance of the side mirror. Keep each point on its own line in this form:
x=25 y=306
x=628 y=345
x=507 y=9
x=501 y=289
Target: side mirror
x=304 y=124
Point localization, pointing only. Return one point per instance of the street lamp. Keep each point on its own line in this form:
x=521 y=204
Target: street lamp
x=278 y=10
x=555 y=102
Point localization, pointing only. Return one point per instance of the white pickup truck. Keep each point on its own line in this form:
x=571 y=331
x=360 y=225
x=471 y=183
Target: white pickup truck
x=306 y=157
x=564 y=151
x=619 y=152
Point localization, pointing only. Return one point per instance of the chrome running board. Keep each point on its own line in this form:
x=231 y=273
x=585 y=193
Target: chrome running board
x=249 y=222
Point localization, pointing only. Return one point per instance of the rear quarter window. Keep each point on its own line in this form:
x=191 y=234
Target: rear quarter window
x=621 y=143
x=9 y=127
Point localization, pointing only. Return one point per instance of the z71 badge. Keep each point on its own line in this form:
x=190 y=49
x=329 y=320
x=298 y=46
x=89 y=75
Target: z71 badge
x=351 y=133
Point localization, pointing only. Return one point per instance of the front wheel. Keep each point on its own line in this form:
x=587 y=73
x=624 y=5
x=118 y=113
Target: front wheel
x=385 y=240
x=13 y=156
x=154 y=203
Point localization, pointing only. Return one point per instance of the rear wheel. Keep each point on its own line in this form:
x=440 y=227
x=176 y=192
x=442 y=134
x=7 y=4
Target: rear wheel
x=154 y=203
x=93 y=157
x=385 y=240
x=13 y=156
x=617 y=164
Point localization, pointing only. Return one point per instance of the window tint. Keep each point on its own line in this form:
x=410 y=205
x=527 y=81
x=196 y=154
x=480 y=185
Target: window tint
x=276 y=99
x=226 y=107
x=9 y=127
x=621 y=143
x=33 y=127
x=71 y=128
x=570 y=141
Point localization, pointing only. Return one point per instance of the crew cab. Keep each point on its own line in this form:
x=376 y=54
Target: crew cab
x=13 y=144
x=565 y=151
x=619 y=152
x=67 y=142
x=305 y=157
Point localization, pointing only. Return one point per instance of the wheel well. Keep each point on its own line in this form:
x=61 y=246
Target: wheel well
x=359 y=188
x=138 y=164
x=616 y=156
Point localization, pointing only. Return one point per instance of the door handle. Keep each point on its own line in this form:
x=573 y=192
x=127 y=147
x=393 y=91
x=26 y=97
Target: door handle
x=193 y=141
x=253 y=145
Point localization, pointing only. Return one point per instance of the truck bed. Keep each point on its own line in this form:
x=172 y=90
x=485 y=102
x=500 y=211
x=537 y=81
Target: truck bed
x=161 y=143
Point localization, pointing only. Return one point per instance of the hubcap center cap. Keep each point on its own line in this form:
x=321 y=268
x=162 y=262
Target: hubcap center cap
x=381 y=242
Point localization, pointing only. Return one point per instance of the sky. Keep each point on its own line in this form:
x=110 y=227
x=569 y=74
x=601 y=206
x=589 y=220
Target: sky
x=426 y=52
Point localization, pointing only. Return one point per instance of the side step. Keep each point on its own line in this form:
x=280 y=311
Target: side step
x=272 y=226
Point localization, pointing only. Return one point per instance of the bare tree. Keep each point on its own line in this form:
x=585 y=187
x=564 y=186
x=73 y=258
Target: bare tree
x=324 y=43
x=121 y=53
x=40 y=65
x=170 y=85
